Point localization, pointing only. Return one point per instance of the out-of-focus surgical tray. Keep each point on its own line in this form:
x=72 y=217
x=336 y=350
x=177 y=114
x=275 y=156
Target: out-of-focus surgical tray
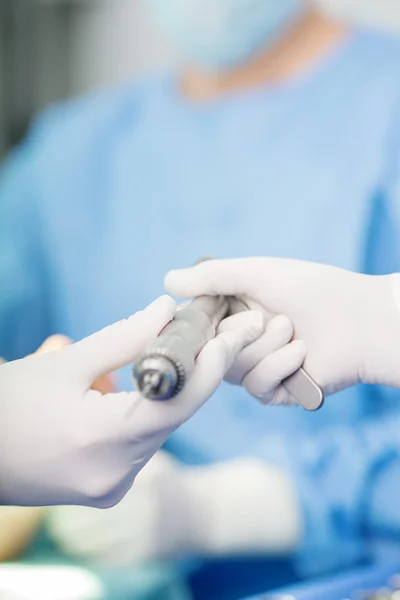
x=373 y=583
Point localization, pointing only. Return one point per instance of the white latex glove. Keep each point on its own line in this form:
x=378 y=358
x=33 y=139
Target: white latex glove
x=63 y=443
x=349 y=323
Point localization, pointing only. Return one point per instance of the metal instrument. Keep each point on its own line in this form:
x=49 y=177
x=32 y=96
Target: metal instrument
x=162 y=370
x=299 y=385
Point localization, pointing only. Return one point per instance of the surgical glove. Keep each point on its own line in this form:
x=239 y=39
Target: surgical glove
x=19 y=524
x=348 y=323
x=104 y=384
x=63 y=443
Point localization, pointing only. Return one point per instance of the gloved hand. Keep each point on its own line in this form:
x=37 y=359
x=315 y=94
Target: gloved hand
x=62 y=443
x=348 y=323
x=18 y=525
x=105 y=384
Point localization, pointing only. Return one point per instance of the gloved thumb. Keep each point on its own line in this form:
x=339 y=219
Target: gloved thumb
x=118 y=345
x=232 y=277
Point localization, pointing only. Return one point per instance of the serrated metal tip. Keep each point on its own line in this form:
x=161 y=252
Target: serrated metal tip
x=151 y=384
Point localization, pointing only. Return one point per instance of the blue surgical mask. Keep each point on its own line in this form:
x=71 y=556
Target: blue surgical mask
x=222 y=34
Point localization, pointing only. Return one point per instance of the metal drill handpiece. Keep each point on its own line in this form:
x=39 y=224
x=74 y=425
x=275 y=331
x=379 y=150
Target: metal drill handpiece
x=162 y=370
x=214 y=307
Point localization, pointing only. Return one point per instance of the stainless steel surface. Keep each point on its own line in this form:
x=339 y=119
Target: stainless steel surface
x=156 y=376
x=304 y=389
x=299 y=385
x=162 y=371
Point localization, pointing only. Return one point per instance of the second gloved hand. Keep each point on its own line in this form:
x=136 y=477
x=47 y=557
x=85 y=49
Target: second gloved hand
x=63 y=443
x=347 y=324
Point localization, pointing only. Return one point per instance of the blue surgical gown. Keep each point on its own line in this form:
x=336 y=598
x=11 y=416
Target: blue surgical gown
x=111 y=191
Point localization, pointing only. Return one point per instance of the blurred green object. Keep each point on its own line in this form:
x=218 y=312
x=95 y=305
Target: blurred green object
x=147 y=582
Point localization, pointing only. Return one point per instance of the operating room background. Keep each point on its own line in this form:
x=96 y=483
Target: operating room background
x=52 y=49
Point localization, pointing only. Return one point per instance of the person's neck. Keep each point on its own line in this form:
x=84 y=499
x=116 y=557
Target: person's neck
x=311 y=37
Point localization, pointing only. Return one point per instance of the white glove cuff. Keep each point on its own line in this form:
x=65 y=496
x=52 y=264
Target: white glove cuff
x=381 y=324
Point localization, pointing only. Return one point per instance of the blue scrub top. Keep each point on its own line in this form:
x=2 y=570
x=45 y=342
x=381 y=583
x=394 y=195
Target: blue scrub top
x=111 y=191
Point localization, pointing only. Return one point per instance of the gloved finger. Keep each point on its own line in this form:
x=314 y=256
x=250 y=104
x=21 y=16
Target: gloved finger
x=231 y=277
x=279 y=396
x=119 y=344
x=240 y=320
x=130 y=416
x=211 y=365
x=217 y=357
x=267 y=376
x=278 y=333
x=104 y=385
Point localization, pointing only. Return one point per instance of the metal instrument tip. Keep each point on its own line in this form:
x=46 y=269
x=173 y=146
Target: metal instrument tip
x=151 y=384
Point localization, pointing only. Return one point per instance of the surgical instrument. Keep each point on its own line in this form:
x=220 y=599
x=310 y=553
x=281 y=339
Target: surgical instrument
x=162 y=370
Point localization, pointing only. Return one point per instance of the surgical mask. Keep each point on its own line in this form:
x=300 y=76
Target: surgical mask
x=222 y=34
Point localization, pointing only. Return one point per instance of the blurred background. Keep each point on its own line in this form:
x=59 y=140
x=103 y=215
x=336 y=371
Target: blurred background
x=52 y=49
